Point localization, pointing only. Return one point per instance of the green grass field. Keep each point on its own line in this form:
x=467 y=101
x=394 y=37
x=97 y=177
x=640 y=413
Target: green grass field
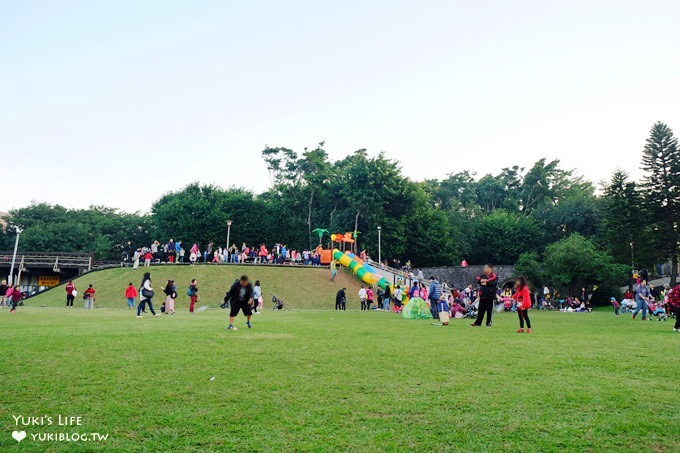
x=314 y=380
x=298 y=286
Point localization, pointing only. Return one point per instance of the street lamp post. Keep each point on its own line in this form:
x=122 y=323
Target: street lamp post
x=379 y=246
x=229 y=222
x=632 y=265
x=14 y=256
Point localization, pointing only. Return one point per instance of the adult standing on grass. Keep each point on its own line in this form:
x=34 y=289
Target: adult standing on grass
x=523 y=303
x=131 y=295
x=341 y=300
x=16 y=298
x=3 y=293
x=127 y=254
x=70 y=293
x=387 y=297
x=674 y=306
x=240 y=296
x=193 y=294
x=135 y=259
x=89 y=297
x=369 y=297
x=146 y=295
x=170 y=296
x=642 y=296
x=434 y=294
x=257 y=295
x=488 y=282
x=362 y=297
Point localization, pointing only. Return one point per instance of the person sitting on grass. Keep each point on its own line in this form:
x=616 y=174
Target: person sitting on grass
x=240 y=296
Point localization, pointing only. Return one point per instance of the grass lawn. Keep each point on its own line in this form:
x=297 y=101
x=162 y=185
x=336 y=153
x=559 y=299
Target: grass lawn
x=313 y=380
x=300 y=287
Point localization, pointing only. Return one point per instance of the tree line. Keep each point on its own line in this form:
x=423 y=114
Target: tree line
x=530 y=216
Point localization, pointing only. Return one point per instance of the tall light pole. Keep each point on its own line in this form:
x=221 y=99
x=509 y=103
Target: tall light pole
x=632 y=265
x=229 y=222
x=379 y=246
x=14 y=256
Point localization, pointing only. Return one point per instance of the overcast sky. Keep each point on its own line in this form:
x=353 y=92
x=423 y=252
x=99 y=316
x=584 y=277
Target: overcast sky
x=115 y=103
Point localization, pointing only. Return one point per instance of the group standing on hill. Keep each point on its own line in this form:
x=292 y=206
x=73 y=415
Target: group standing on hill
x=173 y=252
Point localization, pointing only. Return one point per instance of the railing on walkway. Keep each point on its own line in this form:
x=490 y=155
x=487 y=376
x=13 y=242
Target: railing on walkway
x=45 y=260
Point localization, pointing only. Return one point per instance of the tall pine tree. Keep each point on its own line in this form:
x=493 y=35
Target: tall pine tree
x=661 y=162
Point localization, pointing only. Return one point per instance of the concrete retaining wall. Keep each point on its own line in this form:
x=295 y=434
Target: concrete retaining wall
x=460 y=277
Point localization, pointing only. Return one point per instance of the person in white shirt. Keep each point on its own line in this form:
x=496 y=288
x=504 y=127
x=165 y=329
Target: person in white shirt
x=362 y=298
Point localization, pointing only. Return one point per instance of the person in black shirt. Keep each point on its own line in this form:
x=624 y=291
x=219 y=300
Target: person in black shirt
x=488 y=283
x=240 y=296
x=341 y=300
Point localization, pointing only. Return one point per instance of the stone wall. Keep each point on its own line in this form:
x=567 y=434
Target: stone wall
x=462 y=276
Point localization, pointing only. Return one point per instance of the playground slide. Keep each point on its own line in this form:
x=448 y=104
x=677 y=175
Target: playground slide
x=364 y=272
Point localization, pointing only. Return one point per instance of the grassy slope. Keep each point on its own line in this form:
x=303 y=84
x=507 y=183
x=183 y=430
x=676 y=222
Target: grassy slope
x=321 y=381
x=299 y=287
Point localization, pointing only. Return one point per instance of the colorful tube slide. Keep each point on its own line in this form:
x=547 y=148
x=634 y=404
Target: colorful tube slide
x=363 y=271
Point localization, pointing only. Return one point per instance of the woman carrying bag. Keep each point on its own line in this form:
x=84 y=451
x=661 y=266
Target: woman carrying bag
x=145 y=295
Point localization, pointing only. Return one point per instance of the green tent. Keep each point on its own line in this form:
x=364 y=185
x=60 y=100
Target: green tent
x=416 y=308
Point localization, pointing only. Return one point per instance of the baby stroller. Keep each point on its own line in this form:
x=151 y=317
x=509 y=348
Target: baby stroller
x=657 y=311
x=628 y=306
x=470 y=309
x=279 y=304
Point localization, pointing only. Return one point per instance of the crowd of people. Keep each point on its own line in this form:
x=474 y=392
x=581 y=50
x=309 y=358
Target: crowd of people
x=474 y=301
x=478 y=301
x=173 y=252
x=242 y=296
x=10 y=296
x=650 y=302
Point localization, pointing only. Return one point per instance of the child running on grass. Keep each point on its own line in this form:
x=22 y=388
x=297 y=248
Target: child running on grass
x=523 y=299
x=15 y=298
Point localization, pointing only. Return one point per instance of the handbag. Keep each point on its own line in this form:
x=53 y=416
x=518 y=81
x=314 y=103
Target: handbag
x=147 y=293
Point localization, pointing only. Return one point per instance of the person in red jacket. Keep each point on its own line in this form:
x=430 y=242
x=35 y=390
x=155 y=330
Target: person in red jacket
x=523 y=299
x=89 y=297
x=16 y=298
x=131 y=295
x=674 y=305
